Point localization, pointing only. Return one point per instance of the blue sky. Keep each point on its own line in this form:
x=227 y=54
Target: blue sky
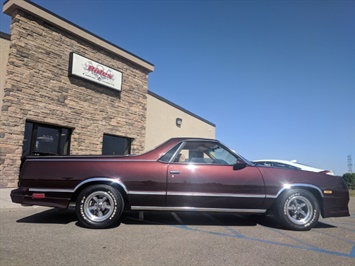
x=276 y=77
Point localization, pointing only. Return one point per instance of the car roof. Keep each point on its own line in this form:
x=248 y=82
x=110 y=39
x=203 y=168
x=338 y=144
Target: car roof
x=278 y=161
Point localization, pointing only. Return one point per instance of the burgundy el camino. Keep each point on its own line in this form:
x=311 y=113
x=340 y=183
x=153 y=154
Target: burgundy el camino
x=182 y=174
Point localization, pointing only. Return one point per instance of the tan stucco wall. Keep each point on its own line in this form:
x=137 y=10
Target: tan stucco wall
x=161 y=123
x=4 y=56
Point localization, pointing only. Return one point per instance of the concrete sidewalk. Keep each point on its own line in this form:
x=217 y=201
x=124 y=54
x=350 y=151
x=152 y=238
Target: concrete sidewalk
x=5 y=200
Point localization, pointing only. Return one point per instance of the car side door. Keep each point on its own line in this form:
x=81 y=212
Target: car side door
x=212 y=177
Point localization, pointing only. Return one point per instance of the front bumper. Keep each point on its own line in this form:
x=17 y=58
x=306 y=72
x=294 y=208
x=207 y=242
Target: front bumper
x=336 y=206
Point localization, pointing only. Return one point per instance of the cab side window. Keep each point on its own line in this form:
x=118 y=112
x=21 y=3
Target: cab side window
x=202 y=152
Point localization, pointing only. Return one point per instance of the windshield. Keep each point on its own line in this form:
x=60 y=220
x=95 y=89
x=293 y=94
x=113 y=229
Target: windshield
x=243 y=158
x=203 y=152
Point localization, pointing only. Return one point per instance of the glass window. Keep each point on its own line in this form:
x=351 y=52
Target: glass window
x=167 y=156
x=65 y=141
x=205 y=153
x=285 y=166
x=115 y=145
x=263 y=163
x=41 y=139
x=47 y=140
x=26 y=147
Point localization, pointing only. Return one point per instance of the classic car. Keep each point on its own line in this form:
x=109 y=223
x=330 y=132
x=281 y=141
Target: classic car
x=182 y=174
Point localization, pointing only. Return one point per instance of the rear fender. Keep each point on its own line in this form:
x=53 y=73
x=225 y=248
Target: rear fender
x=116 y=183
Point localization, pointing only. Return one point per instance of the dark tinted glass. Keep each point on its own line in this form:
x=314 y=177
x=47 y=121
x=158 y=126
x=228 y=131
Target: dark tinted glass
x=43 y=139
x=64 y=141
x=167 y=156
x=26 y=148
x=46 y=140
x=114 y=145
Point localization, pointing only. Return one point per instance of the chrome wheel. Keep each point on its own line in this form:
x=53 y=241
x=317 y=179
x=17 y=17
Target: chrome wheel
x=99 y=206
x=297 y=209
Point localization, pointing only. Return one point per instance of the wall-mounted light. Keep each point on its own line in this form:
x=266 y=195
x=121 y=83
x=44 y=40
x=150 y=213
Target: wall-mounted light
x=178 y=122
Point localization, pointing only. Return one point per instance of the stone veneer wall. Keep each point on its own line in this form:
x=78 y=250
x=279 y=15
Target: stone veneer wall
x=39 y=89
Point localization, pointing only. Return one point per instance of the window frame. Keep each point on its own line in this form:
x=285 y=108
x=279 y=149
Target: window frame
x=29 y=148
x=172 y=155
x=126 y=152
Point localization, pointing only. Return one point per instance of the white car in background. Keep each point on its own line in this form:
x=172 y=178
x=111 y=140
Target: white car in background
x=291 y=165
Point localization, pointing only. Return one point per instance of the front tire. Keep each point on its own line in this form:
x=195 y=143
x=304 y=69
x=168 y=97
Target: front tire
x=99 y=206
x=298 y=210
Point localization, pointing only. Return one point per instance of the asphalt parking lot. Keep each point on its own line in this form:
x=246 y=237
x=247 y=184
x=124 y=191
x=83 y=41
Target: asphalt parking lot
x=46 y=236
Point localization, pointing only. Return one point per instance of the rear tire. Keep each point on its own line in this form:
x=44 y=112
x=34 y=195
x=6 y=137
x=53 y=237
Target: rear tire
x=298 y=210
x=99 y=206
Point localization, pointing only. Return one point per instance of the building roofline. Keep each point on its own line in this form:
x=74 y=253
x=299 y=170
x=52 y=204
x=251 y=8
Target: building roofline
x=180 y=108
x=29 y=7
x=4 y=35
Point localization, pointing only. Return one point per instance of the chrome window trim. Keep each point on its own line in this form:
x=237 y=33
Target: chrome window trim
x=174 y=155
x=159 y=208
x=182 y=144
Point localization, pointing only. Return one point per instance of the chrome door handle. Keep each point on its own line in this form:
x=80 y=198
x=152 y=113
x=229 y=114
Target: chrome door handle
x=174 y=172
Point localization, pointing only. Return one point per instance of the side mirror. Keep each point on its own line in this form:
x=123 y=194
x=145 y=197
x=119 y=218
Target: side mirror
x=239 y=166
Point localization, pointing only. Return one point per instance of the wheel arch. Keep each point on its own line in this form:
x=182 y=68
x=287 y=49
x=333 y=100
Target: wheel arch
x=116 y=183
x=316 y=192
